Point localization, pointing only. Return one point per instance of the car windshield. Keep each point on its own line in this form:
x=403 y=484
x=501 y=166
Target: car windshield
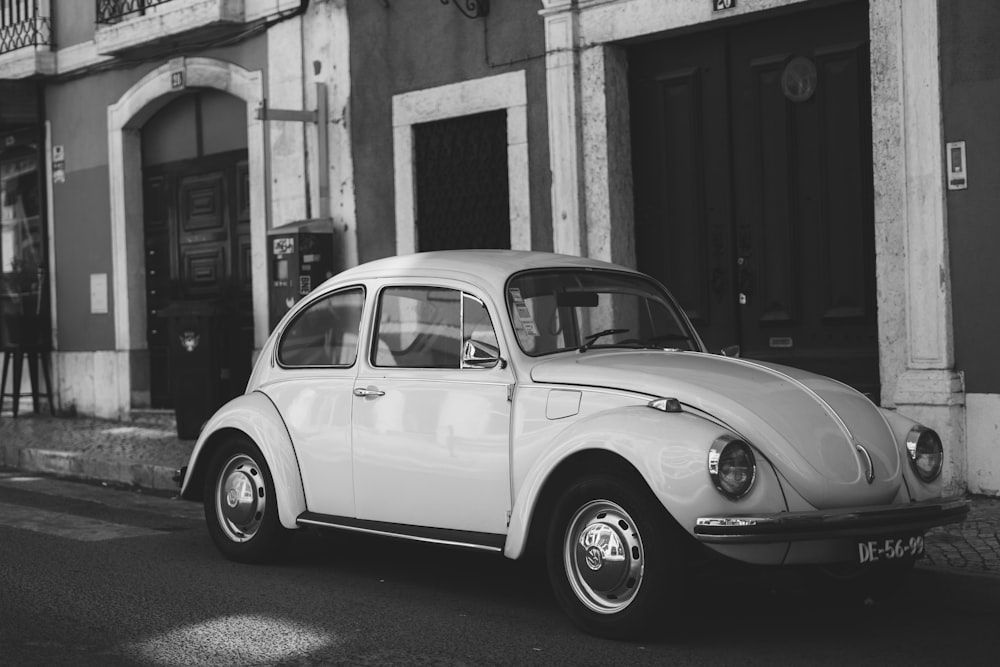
x=558 y=310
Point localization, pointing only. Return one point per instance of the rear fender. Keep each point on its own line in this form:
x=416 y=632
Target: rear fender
x=669 y=451
x=253 y=416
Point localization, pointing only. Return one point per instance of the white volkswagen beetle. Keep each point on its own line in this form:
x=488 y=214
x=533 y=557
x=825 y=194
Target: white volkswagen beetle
x=499 y=400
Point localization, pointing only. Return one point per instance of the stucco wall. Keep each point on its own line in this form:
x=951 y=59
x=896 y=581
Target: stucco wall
x=77 y=110
x=72 y=22
x=404 y=47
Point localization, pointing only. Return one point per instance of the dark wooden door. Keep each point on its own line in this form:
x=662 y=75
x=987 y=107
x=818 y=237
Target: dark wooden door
x=197 y=238
x=753 y=186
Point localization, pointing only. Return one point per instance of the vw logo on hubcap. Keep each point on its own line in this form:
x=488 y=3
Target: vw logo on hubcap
x=232 y=498
x=595 y=559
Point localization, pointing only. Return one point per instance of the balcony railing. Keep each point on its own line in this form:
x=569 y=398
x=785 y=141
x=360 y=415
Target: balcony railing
x=153 y=27
x=21 y=25
x=113 y=11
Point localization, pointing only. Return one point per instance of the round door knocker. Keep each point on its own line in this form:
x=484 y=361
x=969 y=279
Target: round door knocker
x=798 y=80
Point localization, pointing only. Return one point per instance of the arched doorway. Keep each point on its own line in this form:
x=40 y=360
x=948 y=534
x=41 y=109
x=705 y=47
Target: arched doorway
x=196 y=229
x=126 y=120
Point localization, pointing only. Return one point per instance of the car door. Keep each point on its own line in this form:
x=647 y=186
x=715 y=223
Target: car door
x=431 y=425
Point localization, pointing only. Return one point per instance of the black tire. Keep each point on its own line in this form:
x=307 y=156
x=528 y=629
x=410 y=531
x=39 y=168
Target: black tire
x=240 y=504
x=634 y=581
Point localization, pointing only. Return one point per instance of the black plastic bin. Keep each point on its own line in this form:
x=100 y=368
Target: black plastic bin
x=195 y=360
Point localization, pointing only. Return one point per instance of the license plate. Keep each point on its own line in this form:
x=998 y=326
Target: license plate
x=890 y=549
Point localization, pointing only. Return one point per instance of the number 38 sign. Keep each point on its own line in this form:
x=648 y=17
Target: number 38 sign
x=722 y=5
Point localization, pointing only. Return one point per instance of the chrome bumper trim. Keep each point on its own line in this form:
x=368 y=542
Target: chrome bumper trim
x=831 y=524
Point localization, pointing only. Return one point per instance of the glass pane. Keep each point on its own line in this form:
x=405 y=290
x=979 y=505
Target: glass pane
x=325 y=333
x=23 y=275
x=561 y=310
x=419 y=327
x=21 y=251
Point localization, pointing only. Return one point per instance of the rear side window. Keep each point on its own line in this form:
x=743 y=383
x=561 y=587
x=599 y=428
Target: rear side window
x=325 y=333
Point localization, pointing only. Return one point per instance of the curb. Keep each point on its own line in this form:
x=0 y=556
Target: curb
x=74 y=465
x=960 y=571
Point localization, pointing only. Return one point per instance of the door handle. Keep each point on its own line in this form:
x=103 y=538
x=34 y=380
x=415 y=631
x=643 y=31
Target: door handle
x=366 y=392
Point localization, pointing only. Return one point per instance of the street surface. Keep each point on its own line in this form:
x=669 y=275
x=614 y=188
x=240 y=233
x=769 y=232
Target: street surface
x=98 y=576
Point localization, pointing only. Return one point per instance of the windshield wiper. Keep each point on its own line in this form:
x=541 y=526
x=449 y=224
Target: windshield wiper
x=592 y=338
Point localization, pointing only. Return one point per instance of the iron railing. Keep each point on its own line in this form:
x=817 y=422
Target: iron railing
x=113 y=11
x=21 y=25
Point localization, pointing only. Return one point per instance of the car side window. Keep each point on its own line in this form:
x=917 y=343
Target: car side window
x=418 y=327
x=433 y=327
x=325 y=333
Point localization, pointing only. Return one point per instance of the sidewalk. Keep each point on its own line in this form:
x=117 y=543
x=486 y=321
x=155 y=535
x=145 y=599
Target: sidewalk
x=145 y=452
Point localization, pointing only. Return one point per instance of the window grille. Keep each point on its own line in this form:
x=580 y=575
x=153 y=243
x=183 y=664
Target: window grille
x=461 y=182
x=21 y=25
x=113 y=11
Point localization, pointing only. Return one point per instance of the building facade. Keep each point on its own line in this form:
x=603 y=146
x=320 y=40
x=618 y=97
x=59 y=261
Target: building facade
x=172 y=135
x=809 y=177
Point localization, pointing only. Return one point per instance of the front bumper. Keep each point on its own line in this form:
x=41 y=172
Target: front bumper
x=851 y=522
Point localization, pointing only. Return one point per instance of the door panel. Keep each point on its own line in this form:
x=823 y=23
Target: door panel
x=801 y=152
x=196 y=221
x=680 y=137
x=434 y=449
x=753 y=186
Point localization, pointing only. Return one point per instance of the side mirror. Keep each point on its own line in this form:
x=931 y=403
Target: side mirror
x=730 y=351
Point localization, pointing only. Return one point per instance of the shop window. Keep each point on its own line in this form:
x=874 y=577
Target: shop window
x=23 y=274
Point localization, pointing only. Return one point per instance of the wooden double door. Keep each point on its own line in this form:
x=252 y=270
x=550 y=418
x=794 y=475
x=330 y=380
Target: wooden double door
x=753 y=186
x=197 y=247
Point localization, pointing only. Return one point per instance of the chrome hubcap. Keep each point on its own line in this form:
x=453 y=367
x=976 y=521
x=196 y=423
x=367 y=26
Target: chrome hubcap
x=603 y=556
x=239 y=498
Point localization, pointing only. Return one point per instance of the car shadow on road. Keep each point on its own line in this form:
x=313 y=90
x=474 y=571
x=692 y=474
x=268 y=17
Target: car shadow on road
x=752 y=605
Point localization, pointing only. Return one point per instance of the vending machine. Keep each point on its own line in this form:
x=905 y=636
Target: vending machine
x=300 y=257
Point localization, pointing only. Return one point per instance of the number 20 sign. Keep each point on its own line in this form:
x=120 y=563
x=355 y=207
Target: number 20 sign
x=722 y=5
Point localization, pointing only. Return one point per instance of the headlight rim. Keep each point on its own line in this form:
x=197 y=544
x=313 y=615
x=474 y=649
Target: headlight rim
x=715 y=453
x=912 y=440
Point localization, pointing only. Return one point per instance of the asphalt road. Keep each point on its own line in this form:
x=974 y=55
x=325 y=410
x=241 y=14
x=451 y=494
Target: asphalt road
x=92 y=575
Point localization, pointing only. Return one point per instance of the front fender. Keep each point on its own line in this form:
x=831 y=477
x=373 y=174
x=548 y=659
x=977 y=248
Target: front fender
x=669 y=451
x=255 y=416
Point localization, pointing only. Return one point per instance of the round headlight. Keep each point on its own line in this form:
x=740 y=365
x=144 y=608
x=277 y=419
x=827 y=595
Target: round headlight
x=732 y=466
x=926 y=453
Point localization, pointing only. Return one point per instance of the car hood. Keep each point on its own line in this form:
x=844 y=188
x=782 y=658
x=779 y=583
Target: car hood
x=808 y=426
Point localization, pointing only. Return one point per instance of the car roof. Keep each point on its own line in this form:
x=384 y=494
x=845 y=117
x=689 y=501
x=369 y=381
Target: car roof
x=490 y=268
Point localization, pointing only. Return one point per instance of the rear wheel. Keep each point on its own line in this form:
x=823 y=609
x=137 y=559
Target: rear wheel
x=614 y=558
x=240 y=506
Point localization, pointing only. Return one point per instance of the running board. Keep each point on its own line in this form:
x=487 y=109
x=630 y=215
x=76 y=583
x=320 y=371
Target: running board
x=453 y=538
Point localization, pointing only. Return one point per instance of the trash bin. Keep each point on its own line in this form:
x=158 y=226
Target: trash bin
x=194 y=362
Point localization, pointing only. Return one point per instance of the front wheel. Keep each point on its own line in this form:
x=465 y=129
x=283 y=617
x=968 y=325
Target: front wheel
x=614 y=558
x=240 y=506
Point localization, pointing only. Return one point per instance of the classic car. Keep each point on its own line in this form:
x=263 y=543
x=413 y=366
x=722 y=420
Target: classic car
x=512 y=401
